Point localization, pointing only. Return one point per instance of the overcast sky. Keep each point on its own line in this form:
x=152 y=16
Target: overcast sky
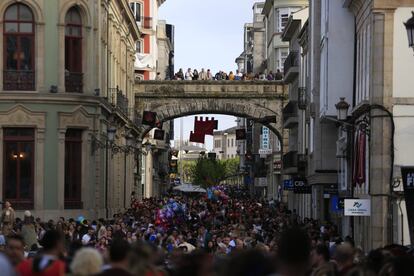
x=208 y=34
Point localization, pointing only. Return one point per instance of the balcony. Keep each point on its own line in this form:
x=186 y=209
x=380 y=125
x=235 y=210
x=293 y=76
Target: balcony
x=290 y=115
x=291 y=67
x=15 y=80
x=135 y=117
x=294 y=163
x=146 y=22
x=74 y=82
x=119 y=100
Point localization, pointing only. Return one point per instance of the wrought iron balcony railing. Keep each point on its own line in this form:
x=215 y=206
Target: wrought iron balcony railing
x=146 y=22
x=74 y=82
x=291 y=61
x=290 y=160
x=290 y=110
x=119 y=100
x=20 y=80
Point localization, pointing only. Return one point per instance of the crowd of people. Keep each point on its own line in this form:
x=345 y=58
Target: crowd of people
x=221 y=75
x=223 y=233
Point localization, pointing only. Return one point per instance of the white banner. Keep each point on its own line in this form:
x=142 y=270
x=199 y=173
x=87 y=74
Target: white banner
x=357 y=207
x=265 y=151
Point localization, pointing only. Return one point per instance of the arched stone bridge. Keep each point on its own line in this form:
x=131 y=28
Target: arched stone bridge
x=261 y=101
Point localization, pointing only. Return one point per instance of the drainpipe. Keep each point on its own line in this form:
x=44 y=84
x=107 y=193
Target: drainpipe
x=125 y=178
x=106 y=178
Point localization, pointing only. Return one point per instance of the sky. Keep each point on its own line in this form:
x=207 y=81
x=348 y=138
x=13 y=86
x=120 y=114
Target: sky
x=208 y=34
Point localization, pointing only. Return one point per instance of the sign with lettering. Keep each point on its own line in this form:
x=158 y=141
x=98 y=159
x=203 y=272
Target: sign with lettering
x=265 y=138
x=407 y=174
x=300 y=186
x=357 y=207
x=288 y=185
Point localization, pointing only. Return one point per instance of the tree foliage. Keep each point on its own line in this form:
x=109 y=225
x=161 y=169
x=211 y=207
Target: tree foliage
x=209 y=172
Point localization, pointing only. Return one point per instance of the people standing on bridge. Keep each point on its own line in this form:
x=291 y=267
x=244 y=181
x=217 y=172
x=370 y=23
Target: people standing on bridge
x=189 y=75
x=238 y=75
x=231 y=75
x=203 y=74
x=270 y=76
x=180 y=74
x=218 y=76
x=158 y=77
x=195 y=74
x=262 y=76
x=278 y=75
x=209 y=75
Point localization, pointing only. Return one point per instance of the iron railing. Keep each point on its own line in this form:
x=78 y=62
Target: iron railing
x=291 y=61
x=74 y=82
x=20 y=80
x=119 y=100
x=290 y=110
x=290 y=160
x=146 y=22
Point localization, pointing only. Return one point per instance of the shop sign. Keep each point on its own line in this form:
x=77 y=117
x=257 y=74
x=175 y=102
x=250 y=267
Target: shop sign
x=357 y=207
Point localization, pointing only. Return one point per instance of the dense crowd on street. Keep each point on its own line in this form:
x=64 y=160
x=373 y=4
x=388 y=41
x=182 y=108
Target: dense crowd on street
x=207 y=75
x=223 y=232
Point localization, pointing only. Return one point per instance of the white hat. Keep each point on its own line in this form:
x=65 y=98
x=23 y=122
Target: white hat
x=27 y=213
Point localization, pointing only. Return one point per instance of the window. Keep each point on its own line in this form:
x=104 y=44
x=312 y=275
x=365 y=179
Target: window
x=136 y=10
x=18 y=48
x=18 y=167
x=73 y=169
x=73 y=51
x=284 y=18
x=283 y=54
x=232 y=142
x=138 y=46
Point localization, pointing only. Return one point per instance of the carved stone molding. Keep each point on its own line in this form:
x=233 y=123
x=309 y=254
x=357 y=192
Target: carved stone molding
x=78 y=118
x=19 y=115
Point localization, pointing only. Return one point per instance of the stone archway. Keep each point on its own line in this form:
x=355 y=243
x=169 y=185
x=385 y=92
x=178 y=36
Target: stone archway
x=256 y=100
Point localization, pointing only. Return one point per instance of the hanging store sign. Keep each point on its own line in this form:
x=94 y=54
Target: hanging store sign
x=260 y=182
x=265 y=138
x=357 y=207
x=288 y=185
x=265 y=151
x=407 y=174
x=301 y=187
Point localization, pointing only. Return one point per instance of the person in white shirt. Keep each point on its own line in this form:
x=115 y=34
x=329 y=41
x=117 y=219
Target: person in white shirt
x=88 y=237
x=189 y=75
x=209 y=75
x=203 y=74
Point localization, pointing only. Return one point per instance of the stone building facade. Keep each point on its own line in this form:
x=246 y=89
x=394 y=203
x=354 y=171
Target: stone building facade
x=66 y=85
x=383 y=77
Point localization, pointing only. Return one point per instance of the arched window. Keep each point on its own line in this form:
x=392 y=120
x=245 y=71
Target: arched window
x=73 y=51
x=18 y=49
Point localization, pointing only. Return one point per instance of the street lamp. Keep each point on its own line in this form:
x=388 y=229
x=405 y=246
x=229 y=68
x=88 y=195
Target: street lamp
x=409 y=25
x=342 y=109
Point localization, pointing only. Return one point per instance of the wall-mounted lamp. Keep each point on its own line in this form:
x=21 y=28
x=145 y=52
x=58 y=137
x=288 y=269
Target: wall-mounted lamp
x=409 y=25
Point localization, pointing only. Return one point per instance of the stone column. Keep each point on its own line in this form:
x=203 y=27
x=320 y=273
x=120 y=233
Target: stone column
x=380 y=136
x=148 y=187
x=61 y=168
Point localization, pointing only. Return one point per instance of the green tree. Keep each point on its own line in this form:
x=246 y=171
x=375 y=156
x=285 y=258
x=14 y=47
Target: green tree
x=208 y=172
x=231 y=166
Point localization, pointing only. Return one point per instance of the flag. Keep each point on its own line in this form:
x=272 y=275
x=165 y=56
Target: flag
x=197 y=137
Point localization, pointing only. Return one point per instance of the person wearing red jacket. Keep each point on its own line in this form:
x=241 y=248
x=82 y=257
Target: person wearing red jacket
x=47 y=263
